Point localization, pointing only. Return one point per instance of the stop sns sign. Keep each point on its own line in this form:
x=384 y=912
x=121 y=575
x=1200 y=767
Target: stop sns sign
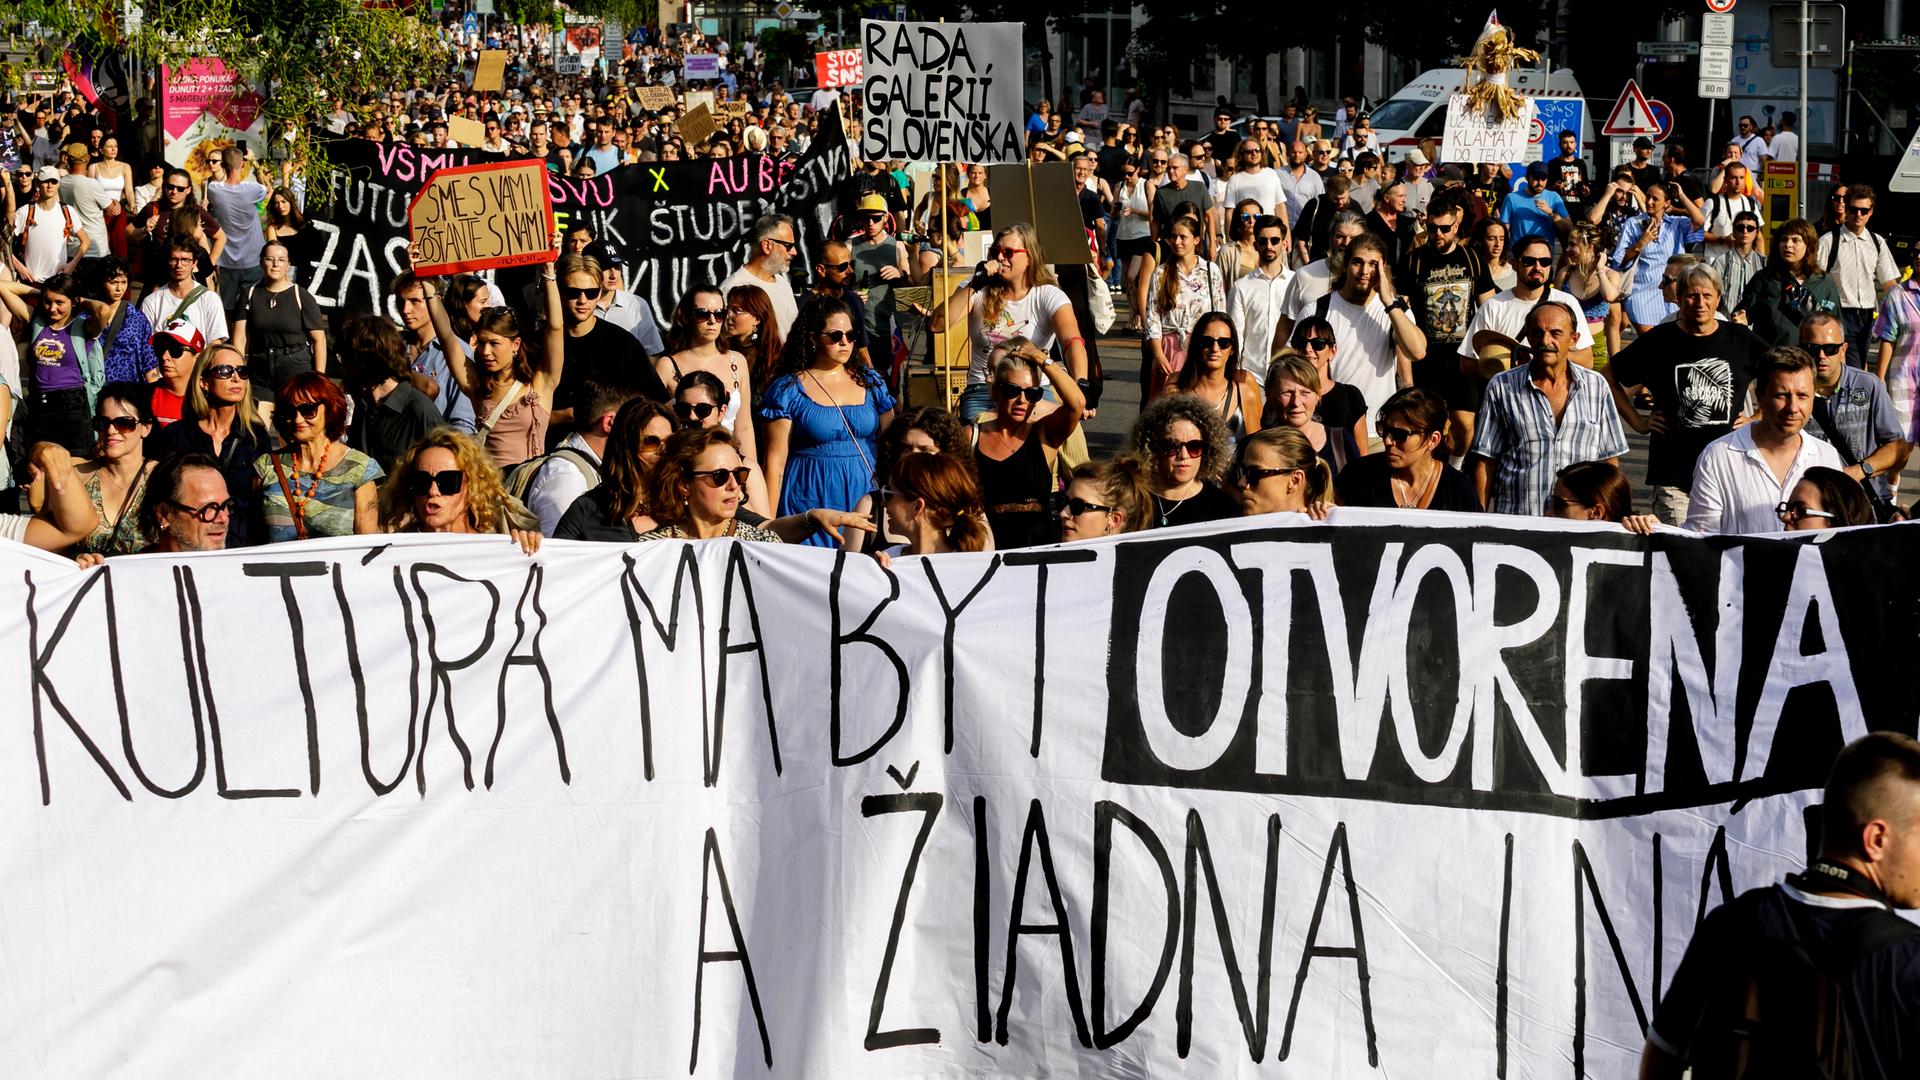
x=1719 y=7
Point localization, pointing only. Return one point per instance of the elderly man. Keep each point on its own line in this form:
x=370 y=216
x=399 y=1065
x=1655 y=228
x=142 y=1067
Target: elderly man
x=186 y=508
x=1540 y=417
x=773 y=248
x=1742 y=477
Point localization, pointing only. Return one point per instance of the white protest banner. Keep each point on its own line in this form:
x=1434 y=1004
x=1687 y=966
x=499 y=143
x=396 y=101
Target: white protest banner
x=1474 y=135
x=941 y=91
x=1433 y=797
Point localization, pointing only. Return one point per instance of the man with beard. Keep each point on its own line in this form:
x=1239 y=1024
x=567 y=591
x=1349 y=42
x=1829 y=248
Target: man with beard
x=1446 y=282
x=774 y=244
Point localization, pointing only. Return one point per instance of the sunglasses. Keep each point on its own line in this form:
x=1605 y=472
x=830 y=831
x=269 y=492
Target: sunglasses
x=1559 y=504
x=1828 y=349
x=876 y=216
x=1006 y=253
x=308 y=409
x=1158 y=161
x=421 y=483
x=1398 y=435
x=569 y=292
x=1251 y=476
x=1793 y=511
x=1863 y=211
x=1224 y=344
x=651 y=443
x=171 y=347
x=1265 y=241
x=838 y=337
x=122 y=424
x=207 y=514
x=1189 y=448
x=839 y=267
x=229 y=371
x=1076 y=507
x=1443 y=226
x=1316 y=344
x=719 y=477
x=688 y=411
x=1746 y=228
x=1536 y=260
x=1010 y=392
x=709 y=314
x=170 y=187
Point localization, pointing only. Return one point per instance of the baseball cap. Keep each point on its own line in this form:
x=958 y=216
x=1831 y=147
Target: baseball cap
x=1537 y=171
x=874 y=201
x=604 y=253
x=47 y=172
x=1643 y=143
x=182 y=331
x=1415 y=157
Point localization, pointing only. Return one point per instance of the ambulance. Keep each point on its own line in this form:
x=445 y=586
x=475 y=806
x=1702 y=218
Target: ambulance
x=1418 y=111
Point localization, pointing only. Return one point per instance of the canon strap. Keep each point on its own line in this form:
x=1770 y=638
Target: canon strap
x=1825 y=874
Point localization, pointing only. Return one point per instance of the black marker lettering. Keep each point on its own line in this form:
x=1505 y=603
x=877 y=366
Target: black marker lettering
x=927 y=803
x=711 y=868
x=1336 y=851
x=1105 y=813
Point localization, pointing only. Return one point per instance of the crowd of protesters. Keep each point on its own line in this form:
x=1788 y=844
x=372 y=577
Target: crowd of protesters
x=1318 y=325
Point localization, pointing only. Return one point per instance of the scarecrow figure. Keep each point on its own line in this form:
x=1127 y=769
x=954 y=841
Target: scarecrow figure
x=1493 y=54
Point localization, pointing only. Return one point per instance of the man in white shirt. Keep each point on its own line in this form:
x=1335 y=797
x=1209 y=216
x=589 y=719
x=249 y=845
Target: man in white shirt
x=1254 y=303
x=1752 y=144
x=772 y=256
x=1786 y=144
x=622 y=308
x=1379 y=341
x=1741 y=478
x=1862 y=267
x=87 y=197
x=1301 y=183
x=1256 y=181
x=1726 y=204
x=46 y=230
x=183 y=299
x=1315 y=280
x=234 y=198
x=574 y=467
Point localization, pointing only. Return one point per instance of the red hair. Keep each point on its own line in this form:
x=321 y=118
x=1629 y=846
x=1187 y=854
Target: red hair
x=304 y=387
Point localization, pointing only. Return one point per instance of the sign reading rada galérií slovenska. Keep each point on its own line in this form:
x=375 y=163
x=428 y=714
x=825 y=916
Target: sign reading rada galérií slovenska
x=941 y=91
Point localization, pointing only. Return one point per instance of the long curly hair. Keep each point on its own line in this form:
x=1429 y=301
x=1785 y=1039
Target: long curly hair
x=944 y=428
x=762 y=350
x=803 y=347
x=486 y=494
x=667 y=491
x=1157 y=418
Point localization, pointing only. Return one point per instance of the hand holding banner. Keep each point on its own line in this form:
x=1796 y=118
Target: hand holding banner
x=477 y=217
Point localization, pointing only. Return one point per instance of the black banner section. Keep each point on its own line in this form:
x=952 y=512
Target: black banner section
x=679 y=223
x=1576 y=674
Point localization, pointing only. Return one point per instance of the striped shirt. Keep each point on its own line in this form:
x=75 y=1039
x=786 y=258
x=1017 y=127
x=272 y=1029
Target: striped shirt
x=1899 y=325
x=1516 y=431
x=1862 y=263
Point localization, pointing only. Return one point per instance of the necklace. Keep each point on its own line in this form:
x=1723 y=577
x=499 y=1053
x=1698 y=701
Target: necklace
x=1166 y=511
x=1416 y=498
x=297 y=500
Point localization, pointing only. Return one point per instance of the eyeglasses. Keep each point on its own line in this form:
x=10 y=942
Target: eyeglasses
x=170 y=346
x=1005 y=254
x=719 y=477
x=421 y=483
x=1536 y=260
x=207 y=514
x=308 y=409
x=837 y=337
x=1267 y=240
x=122 y=424
x=1794 y=511
x=689 y=411
x=788 y=244
x=173 y=187
x=651 y=444
x=1251 y=476
x=1827 y=348
x=1076 y=507
x=1316 y=344
x=1746 y=228
x=1175 y=448
x=1004 y=389
x=1224 y=344
x=229 y=371
x=1245 y=217
x=839 y=267
x=1398 y=435
x=709 y=314
x=1863 y=211
x=876 y=216
x=569 y=292
x=1158 y=161
x=1443 y=226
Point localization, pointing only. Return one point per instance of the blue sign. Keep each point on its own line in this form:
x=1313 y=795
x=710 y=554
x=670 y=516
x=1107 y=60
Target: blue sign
x=1553 y=116
x=471 y=23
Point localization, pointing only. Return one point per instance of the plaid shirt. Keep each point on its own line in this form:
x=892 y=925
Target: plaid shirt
x=1516 y=431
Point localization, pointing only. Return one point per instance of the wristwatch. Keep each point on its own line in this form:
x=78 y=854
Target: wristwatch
x=1399 y=304
x=1866 y=470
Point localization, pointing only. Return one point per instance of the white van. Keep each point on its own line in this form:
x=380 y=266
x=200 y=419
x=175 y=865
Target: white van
x=1418 y=110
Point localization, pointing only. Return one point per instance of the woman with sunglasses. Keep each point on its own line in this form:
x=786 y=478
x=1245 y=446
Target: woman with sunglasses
x=1791 y=287
x=1018 y=445
x=1189 y=449
x=65 y=336
x=278 y=324
x=315 y=484
x=1012 y=294
x=446 y=484
x=1826 y=498
x=1105 y=498
x=115 y=479
x=699 y=400
x=594 y=346
x=616 y=510
x=695 y=344
x=823 y=412
x=1342 y=405
x=1212 y=373
x=1182 y=288
x=753 y=331
x=1296 y=390
x=1238 y=256
x=696 y=491
x=221 y=422
x=933 y=501
x=1133 y=234
x=1278 y=472
x=512 y=398
x=1411 y=470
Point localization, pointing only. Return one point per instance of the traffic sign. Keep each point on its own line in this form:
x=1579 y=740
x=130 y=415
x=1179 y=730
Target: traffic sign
x=1720 y=6
x=1716 y=89
x=1906 y=177
x=1716 y=30
x=1631 y=115
x=1716 y=62
x=1673 y=51
x=1662 y=116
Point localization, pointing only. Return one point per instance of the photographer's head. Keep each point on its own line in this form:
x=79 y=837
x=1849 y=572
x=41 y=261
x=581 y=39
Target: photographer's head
x=1870 y=819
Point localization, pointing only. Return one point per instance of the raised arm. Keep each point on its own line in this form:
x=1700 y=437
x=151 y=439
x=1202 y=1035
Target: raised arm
x=955 y=308
x=14 y=294
x=1058 y=426
x=546 y=377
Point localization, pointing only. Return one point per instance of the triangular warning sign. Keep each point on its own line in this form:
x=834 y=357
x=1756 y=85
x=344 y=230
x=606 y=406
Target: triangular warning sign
x=1907 y=176
x=1631 y=115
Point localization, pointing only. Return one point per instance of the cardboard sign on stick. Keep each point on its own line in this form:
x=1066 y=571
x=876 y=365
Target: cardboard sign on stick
x=697 y=125
x=479 y=217
x=1043 y=196
x=491 y=72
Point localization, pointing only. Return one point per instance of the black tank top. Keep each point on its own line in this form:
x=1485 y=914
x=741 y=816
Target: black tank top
x=1023 y=483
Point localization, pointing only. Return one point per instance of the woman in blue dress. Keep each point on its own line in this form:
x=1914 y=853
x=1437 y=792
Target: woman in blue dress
x=825 y=412
x=1646 y=242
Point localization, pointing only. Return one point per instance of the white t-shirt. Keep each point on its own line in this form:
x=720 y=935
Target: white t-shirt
x=1263 y=187
x=88 y=197
x=1365 y=357
x=47 y=241
x=205 y=313
x=1031 y=317
x=1507 y=314
x=1301 y=190
x=786 y=308
x=1785 y=147
x=237 y=208
x=1309 y=284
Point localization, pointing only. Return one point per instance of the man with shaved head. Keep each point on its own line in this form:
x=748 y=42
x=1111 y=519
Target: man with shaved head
x=1816 y=976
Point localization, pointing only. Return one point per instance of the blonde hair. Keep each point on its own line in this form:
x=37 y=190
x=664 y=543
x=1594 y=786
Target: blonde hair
x=198 y=405
x=487 y=497
x=1038 y=273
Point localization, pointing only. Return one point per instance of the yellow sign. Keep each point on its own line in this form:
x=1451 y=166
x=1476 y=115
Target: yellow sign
x=491 y=72
x=1779 y=195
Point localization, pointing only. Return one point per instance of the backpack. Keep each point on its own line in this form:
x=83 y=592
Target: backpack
x=1785 y=1012
x=519 y=478
x=67 y=235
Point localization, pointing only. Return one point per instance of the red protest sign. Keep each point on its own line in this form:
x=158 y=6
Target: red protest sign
x=837 y=68
x=479 y=217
